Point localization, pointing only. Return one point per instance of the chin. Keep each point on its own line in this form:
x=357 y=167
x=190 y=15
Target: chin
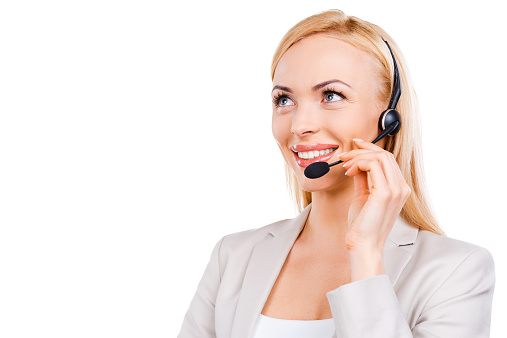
x=332 y=180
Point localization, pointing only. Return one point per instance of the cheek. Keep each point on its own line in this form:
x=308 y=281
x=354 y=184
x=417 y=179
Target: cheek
x=346 y=127
x=280 y=127
x=361 y=123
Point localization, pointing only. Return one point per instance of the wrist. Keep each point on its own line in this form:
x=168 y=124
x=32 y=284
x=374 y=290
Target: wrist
x=365 y=264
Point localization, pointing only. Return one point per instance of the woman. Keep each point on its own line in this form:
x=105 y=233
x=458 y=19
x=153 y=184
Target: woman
x=365 y=257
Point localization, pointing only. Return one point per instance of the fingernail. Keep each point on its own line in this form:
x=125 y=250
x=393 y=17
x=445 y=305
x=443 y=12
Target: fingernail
x=342 y=154
x=345 y=163
x=347 y=171
x=358 y=140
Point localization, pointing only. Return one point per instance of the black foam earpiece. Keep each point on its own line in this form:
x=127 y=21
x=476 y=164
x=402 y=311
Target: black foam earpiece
x=389 y=122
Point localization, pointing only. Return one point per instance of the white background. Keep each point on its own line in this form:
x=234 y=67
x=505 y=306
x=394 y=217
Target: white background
x=135 y=134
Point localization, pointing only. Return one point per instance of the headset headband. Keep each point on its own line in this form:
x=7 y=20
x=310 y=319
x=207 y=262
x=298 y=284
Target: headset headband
x=395 y=96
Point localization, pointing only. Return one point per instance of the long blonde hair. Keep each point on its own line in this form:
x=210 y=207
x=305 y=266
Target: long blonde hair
x=406 y=144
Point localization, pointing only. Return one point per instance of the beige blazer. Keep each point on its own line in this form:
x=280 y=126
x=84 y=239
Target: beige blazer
x=434 y=286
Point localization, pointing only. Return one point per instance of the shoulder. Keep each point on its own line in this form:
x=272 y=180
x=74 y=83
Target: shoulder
x=448 y=275
x=448 y=257
x=233 y=251
x=247 y=239
x=453 y=249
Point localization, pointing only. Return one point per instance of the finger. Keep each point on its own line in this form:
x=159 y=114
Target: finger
x=389 y=165
x=399 y=189
x=379 y=185
x=361 y=186
x=362 y=148
x=397 y=171
x=395 y=176
x=390 y=174
x=402 y=183
x=362 y=144
x=384 y=159
x=353 y=153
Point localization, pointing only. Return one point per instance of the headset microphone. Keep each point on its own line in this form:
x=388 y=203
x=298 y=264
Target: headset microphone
x=389 y=122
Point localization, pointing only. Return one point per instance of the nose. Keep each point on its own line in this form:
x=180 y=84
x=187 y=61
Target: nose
x=304 y=122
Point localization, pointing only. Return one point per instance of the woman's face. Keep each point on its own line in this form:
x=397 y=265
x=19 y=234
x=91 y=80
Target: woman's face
x=324 y=96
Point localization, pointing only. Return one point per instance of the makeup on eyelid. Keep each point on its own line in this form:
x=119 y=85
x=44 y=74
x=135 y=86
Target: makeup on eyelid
x=276 y=100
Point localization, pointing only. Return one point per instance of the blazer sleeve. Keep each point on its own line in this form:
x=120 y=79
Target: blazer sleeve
x=199 y=320
x=460 y=306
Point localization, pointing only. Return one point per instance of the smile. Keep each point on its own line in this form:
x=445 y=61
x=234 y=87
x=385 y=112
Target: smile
x=310 y=153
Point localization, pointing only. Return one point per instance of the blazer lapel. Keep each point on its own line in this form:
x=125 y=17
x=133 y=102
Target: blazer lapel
x=269 y=255
x=397 y=251
x=265 y=263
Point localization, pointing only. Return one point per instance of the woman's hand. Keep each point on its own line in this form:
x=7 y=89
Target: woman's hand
x=372 y=212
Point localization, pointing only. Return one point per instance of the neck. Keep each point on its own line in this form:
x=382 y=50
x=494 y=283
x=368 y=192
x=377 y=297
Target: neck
x=328 y=219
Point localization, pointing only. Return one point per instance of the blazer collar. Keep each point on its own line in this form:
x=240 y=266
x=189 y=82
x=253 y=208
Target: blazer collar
x=269 y=255
x=401 y=234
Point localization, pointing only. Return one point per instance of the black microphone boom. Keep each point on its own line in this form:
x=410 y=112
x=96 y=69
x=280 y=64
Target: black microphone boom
x=319 y=169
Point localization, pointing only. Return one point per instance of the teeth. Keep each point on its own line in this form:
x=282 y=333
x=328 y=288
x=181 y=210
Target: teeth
x=315 y=153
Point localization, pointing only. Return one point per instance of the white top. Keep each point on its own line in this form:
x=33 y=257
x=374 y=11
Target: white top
x=267 y=327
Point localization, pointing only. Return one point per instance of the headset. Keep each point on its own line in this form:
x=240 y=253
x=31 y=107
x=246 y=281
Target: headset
x=389 y=122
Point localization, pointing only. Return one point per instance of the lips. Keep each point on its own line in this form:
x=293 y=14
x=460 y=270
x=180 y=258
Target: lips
x=312 y=147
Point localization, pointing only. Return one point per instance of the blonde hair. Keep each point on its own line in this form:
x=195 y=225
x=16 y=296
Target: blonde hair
x=406 y=144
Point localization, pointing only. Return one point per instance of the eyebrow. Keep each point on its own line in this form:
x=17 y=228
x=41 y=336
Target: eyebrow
x=314 y=88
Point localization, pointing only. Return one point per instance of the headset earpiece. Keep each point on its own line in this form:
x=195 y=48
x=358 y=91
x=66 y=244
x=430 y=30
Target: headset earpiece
x=387 y=117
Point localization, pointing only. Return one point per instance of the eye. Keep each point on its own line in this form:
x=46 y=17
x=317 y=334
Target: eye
x=332 y=96
x=282 y=100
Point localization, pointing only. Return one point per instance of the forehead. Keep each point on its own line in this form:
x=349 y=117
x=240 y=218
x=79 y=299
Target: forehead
x=321 y=57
